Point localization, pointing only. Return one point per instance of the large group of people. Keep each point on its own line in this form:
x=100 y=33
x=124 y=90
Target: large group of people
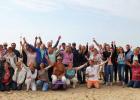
x=42 y=65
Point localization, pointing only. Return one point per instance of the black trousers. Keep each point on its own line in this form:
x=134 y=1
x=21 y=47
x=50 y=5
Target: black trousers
x=128 y=74
x=81 y=75
x=115 y=66
x=50 y=72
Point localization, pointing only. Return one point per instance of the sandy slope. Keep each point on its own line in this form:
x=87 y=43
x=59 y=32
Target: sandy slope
x=80 y=93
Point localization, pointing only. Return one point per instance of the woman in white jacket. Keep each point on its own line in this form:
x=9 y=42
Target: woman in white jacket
x=19 y=76
x=30 y=77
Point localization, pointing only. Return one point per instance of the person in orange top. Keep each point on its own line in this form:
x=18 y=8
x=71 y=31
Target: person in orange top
x=58 y=71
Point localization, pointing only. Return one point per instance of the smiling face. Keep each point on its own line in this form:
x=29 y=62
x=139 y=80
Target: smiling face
x=121 y=50
x=6 y=65
x=31 y=66
x=49 y=44
x=18 y=65
x=42 y=65
x=107 y=47
x=136 y=51
x=13 y=45
x=127 y=47
x=10 y=50
x=91 y=62
x=42 y=46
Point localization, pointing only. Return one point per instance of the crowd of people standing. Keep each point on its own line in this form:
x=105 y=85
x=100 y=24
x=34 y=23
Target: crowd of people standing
x=41 y=64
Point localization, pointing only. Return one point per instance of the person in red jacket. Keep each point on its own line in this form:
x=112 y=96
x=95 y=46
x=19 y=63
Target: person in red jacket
x=135 y=82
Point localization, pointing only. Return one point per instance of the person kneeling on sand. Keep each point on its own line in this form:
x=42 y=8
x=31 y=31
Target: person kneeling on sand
x=71 y=74
x=135 y=82
x=19 y=76
x=92 y=74
x=30 y=77
x=43 y=78
x=58 y=71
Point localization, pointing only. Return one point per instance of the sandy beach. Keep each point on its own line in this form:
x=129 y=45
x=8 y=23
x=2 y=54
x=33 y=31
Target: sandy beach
x=80 y=93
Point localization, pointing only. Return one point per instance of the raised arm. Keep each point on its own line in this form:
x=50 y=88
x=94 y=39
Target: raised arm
x=86 y=49
x=82 y=66
x=57 y=42
x=97 y=44
x=35 y=43
x=40 y=40
x=101 y=64
x=48 y=67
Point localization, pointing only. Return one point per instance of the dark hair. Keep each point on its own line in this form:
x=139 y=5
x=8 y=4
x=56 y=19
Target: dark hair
x=31 y=47
x=73 y=44
x=13 y=44
x=63 y=43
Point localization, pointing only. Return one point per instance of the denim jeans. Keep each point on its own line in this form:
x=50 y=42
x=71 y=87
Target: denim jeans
x=134 y=84
x=109 y=73
x=128 y=71
x=43 y=84
x=121 y=69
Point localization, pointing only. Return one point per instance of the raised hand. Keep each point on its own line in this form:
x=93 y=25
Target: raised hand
x=39 y=38
x=36 y=38
x=59 y=37
x=20 y=42
x=24 y=39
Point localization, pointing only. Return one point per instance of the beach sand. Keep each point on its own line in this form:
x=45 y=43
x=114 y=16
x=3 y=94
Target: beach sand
x=80 y=93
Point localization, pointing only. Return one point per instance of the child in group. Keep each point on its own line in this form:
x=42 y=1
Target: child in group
x=92 y=73
x=71 y=74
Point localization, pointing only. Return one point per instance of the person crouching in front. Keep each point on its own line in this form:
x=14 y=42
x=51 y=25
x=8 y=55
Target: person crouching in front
x=43 y=78
x=92 y=73
x=58 y=71
x=30 y=77
x=135 y=82
x=19 y=76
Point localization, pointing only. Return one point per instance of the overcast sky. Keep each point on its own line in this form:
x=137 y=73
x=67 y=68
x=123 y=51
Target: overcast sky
x=74 y=20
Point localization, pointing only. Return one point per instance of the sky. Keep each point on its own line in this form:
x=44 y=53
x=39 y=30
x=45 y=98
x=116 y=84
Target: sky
x=75 y=20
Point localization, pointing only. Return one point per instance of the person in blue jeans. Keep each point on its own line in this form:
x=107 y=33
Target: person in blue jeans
x=121 y=66
x=43 y=79
x=109 y=74
x=109 y=67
